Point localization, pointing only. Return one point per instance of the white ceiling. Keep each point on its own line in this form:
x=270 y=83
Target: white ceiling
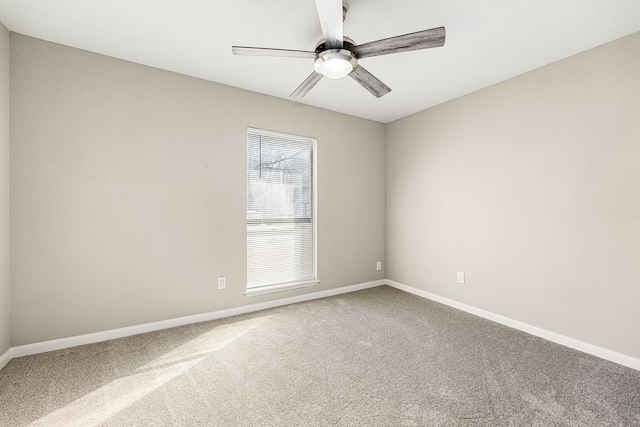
x=488 y=41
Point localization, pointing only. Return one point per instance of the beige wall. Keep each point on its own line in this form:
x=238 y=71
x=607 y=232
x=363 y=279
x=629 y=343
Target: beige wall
x=127 y=192
x=5 y=303
x=532 y=188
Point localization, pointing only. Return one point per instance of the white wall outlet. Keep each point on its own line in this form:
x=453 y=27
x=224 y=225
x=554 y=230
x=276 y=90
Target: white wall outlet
x=379 y=265
x=460 y=277
x=222 y=282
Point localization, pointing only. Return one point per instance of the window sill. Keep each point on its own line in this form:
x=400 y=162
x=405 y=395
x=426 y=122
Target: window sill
x=279 y=288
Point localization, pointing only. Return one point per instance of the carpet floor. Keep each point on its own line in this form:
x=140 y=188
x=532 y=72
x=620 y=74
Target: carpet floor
x=378 y=357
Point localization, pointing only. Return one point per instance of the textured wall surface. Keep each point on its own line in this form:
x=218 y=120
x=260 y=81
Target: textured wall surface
x=530 y=187
x=5 y=303
x=128 y=192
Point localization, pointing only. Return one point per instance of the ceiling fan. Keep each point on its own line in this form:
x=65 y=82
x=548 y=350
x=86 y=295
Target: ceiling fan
x=336 y=56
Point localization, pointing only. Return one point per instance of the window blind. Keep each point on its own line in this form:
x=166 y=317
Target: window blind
x=280 y=209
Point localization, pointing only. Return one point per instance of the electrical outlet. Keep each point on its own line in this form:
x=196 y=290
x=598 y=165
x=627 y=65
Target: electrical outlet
x=379 y=265
x=460 y=277
x=222 y=282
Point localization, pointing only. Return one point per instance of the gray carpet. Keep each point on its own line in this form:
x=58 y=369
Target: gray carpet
x=378 y=357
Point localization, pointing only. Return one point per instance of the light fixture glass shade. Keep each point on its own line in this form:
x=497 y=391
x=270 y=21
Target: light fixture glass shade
x=335 y=63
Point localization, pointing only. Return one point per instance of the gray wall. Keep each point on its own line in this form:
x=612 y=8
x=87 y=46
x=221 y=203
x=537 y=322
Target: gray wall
x=127 y=192
x=532 y=188
x=5 y=303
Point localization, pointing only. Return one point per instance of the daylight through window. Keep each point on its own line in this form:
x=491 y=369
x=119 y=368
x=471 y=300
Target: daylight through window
x=281 y=237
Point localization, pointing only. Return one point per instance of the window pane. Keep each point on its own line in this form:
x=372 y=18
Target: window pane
x=280 y=224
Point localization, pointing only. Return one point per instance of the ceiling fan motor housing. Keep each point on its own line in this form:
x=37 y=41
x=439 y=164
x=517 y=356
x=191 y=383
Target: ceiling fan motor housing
x=335 y=63
x=347 y=43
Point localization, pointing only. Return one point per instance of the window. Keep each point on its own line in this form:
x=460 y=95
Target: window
x=281 y=226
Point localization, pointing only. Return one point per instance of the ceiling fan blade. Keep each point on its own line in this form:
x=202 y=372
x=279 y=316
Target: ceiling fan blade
x=414 y=41
x=307 y=85
x=265 y=51
x=330 y=14
x=369 y=82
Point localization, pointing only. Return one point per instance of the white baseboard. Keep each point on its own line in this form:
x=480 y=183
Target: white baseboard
x=582 y=346
x=42 y=347
x=5 y=358
x=59 y=344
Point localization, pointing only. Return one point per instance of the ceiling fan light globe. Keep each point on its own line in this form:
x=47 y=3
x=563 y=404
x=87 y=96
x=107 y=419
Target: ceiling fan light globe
x=335 y=68
x=335 y=63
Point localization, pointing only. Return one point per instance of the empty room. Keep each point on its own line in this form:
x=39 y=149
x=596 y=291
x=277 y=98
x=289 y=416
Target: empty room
x=319 y=213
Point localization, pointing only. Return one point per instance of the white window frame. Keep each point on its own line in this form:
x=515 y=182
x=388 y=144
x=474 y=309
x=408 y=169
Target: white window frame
x=279 y=287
